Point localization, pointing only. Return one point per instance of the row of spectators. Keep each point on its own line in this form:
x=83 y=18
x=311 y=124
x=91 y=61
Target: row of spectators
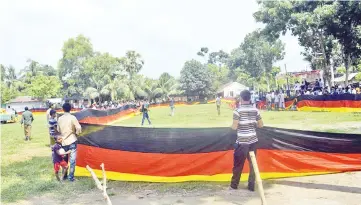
x=319 y=89
x=113 y=105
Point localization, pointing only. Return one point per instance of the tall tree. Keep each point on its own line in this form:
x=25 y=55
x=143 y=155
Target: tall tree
x=71 y=66
x=219 y=58
x=3 y=72
x=203 y=52
x=117 y=88
x=195 y=78
x=342 y=20
x=132 y=63
x=219 y=76
x=256 y=57
x=44 y=87
x=303 y=19
x=152 y=89
x=30 y=71
x=168 y=85
x=48 y=70
x=10 y=86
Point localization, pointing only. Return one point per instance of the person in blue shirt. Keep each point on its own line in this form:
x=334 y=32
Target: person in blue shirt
x=171 y=105
x=52 y=123
x=145 y=110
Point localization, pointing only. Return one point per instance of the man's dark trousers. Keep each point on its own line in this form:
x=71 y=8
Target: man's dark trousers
x=241 y=152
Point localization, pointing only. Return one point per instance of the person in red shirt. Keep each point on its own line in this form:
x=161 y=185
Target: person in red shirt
x=59 y=158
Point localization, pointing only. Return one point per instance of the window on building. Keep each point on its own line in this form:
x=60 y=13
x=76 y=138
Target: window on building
x=231 y=93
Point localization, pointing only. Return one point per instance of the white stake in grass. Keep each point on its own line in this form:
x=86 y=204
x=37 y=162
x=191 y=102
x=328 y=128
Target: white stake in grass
x=258 y=177
x=99 y=185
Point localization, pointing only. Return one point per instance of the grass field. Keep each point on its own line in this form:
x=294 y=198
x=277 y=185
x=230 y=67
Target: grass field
x=206 y=116
x=26 y=167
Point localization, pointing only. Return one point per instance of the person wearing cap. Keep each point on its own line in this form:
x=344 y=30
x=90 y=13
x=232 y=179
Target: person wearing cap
x=69 y=128
x=26 y=120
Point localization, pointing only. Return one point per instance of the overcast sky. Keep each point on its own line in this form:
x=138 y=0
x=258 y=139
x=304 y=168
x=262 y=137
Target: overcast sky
x=165 y=32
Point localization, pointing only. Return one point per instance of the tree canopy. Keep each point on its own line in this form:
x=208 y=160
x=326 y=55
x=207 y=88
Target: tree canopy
x=195 y=78
x=317 y=24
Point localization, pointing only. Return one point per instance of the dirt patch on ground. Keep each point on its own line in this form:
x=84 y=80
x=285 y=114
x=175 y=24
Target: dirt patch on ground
x=332 y=189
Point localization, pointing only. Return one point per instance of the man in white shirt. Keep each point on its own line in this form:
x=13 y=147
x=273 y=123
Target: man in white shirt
x=353 y=91
x=321 y=83
x=273 y=99
x=282 y=100
x=297 y=86
x=269 y=100
x=218 y=103
x=277 y=101
x=69 y=128
x=51 y=106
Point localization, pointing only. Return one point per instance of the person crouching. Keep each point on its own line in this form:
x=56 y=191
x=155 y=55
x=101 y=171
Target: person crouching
x=58 y=158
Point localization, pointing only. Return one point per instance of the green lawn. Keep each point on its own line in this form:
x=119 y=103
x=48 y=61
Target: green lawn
x=206 y=116
x=26 y=167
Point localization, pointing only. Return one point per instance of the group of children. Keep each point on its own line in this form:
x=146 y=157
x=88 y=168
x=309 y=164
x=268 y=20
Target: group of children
x=59 y=156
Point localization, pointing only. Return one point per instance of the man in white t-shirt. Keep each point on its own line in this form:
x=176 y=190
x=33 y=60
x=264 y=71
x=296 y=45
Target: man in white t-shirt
x=269 y=100
x=353 y=91
x=297 y=86
x=277 y=101
x=273 y=99
x=321 y=83
x=281 y=100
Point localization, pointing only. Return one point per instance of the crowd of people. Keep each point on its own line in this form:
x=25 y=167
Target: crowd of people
x=276 y=99
x=319 y=88
x=113 y=105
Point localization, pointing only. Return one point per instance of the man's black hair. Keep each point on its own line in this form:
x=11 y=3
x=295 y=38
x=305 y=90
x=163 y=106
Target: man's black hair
x=52 y=112
x=246 y=95
x=26 y=108
x=66 y=107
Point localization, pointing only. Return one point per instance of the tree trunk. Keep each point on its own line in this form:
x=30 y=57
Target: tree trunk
x=347 y=66
x=325 y=68
x=332 y=79
x=329 y=82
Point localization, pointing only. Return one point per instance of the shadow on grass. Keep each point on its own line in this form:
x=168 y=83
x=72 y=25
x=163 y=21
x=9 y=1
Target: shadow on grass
x=31 y=178
x=183 y=188
x=21 y=180
x=329 y=187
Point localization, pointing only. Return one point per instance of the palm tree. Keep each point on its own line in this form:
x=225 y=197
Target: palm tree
x=3 y=72
x=132 y=63
x=152 y=89
x=117 y=88
x=137 y=85
x=30 y=71
x=11 y=75
x=168 y=85
x=91 y=93
x=98 y=83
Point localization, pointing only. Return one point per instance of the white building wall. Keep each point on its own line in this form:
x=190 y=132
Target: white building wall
x=236 y=88
x=20 y=106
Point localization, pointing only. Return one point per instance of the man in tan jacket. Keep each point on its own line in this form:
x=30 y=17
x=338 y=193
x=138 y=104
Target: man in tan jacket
x=69 y=128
